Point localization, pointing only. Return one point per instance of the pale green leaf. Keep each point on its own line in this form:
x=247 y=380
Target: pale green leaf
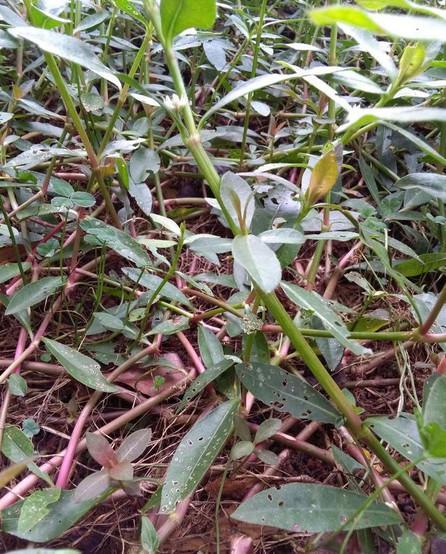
x=258 y=260
x=68 y=48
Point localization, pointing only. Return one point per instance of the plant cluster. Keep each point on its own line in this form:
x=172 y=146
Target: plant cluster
x=211 y=215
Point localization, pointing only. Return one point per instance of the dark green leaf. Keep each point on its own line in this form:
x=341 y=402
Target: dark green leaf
x=80 y=367
x=312 y=508
x=34 y=293
x=287 y=393
x=196 y=453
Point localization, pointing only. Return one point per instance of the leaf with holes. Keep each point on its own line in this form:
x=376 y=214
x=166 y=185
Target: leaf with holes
x=402 y=434
x=287 y=393
x=35 y=508
x=196 y=453
x=312 y=508
x=61 y=516
x=80 y=367
x=311 y=301
x=34 y=293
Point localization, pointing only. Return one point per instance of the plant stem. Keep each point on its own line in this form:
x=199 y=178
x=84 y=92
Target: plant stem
x=271 y=301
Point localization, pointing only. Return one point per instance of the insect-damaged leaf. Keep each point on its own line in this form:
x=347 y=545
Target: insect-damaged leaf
x=80 y=367
x=196 y=453
x=61 y=516
x=312 y=508
x=287 y=393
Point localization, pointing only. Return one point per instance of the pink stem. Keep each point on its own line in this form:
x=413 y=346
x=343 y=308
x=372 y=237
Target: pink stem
x=28 y=482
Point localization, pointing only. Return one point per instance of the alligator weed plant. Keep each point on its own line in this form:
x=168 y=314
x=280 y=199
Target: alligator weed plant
x=222 y=247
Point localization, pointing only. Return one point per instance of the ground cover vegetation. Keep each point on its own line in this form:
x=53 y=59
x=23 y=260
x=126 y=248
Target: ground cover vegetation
x=222 y=253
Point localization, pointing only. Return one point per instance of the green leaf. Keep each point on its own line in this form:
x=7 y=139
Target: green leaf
x=241 y=450
x=80 y=367
x=45 y=551
x=287 y=393
x=358 y=117
x=119 y=241
x=30 y=427
x=92 y=486
x=403 y=435
x=35 y=508
x=62 y=515
x=109 y=321
x=17 y=385
x=203 y=380
x=134 y=446
x=68 y=48
x=432 y=184
x=258 y=260
x=18 y=448
x=409 y=543
x=195 y=454
x=411 y=63
x=149 y=537
x=8 y=271
x=313 y=302
x=403 y=26
x=425 y=263
x=267 y=429
x=434 y=400
x=434 y=440
x=179 y=15
x=312 y=508
x=152 y=282
x=238 y=198
x=246 y=88
x=129 y=8
x=211 y=350
x=34 y=293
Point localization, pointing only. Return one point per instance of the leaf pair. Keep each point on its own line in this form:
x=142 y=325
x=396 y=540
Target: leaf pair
x=117 y=465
